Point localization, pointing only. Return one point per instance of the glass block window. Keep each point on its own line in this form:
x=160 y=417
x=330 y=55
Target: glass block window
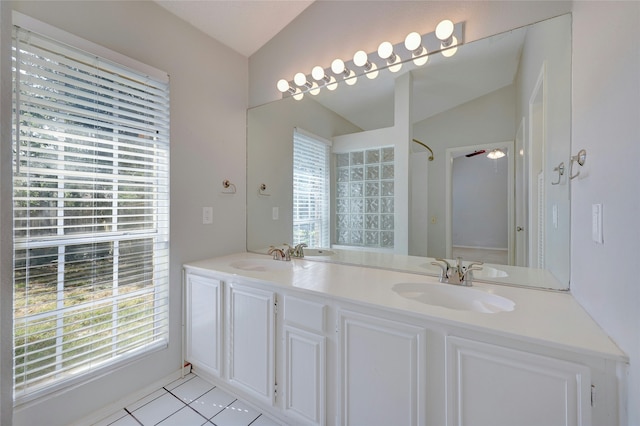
x=364 y=198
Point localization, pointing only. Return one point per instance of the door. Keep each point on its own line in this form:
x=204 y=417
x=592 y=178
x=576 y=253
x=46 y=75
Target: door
x=203 y=347
x=251 y=334
x=382 y=371
x=496 y=386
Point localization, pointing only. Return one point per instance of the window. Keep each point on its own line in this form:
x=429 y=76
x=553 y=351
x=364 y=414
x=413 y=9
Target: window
x=310 y=189
x=90 y=212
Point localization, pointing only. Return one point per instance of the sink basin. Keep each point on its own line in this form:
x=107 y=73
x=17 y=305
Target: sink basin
x=318 y=252
x=261 y=265
x=454 y=297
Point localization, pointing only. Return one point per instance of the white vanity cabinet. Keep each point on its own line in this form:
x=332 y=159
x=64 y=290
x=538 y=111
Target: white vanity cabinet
x=304 y=359
x=203 y=323
x=251 y=340
x=492 y=385
x=382 y=365
x=346 y=352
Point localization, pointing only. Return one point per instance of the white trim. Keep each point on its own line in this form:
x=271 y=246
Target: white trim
x=36 y=26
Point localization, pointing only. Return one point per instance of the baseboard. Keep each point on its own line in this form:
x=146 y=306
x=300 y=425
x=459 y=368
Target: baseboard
x=110 y=409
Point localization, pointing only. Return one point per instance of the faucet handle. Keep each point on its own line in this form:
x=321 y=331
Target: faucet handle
x=278 y=254
x=444 y=269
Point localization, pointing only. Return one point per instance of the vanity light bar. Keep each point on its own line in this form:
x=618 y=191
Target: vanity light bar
x=445 y=39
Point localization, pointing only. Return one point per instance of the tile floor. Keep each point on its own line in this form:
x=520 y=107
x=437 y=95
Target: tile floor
x=191 y=401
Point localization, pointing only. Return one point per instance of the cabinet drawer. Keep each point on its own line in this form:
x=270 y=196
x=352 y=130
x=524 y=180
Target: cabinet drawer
x=304 y=313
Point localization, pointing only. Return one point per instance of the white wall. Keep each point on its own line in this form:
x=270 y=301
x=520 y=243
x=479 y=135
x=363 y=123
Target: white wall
x=606 y=120
x=208 y=106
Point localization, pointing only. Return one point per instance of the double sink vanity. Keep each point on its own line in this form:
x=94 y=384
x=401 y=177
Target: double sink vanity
x=317 y=342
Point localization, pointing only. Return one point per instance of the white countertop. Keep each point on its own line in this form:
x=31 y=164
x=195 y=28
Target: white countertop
x=552 y=318
x=490 y=273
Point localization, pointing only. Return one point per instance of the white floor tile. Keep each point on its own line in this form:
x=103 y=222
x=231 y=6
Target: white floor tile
x=264 y=421
x=212 y=402
x=147 y=399
x=237 y=414
x=158 y=409
x=191 y=390
x=178 y=382
x=184 y=417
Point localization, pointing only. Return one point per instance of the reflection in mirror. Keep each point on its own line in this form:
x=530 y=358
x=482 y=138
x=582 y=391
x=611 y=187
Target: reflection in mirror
x=509 y=91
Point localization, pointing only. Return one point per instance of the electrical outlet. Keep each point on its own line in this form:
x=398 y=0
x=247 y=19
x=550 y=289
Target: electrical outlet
x=207 y=215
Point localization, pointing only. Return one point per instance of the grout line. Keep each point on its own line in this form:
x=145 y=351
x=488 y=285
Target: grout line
x=134 y=417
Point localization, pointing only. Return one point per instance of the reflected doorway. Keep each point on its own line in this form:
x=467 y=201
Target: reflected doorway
x=480 y=203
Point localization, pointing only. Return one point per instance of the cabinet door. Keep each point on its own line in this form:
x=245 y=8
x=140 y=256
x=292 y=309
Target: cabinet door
x=251 y=324
x=304 y=375
x=493 y=385
x=382 y=371
x=203 y=323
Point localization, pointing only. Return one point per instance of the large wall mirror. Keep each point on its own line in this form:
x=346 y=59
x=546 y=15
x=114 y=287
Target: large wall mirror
x=413 y=171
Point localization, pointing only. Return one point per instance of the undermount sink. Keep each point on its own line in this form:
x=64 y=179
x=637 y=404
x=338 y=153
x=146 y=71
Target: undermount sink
x=261 y=265
x=318 y=252
x=454 y=297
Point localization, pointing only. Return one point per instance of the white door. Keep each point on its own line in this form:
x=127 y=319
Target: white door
x=251 y=340
x=304 y=375
x=382 y=371
x=496 y=386
x=203 y=323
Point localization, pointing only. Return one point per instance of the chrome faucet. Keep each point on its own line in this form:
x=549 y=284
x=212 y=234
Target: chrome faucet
x=279 y=254
x=298 y=250
x=458 y=274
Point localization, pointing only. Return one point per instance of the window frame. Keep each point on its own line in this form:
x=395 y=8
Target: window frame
x=62 y=37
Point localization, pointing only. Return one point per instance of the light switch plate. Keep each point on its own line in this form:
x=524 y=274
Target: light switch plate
x=596 y=223
x=207 y=215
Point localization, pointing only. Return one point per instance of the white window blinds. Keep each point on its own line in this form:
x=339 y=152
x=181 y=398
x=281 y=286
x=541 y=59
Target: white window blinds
x=91 y=213
x=310 y=189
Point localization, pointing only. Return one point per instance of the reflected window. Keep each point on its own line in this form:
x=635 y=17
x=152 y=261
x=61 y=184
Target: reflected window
x=310 y=189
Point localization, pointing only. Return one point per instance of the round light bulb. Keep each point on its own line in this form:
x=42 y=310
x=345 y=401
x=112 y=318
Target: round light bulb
x=315 y=89
x=317 y=73
x=444 y=30
x=298 y=95
x=360 y=59
x=373 y=72
x=351 y=79
x=300 y=79
x=385 y=50
x=449 y=52
x=283 y=85
x=413 y=41
x=337 y=66
x=332 y=84
x=421 y=60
